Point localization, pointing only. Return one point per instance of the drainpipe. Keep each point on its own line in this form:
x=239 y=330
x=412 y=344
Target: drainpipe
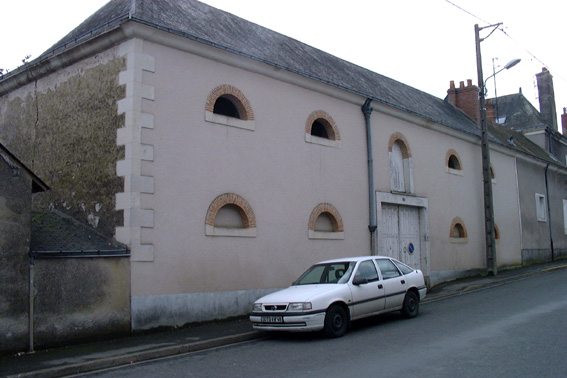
x=549 y=213
x=31 y=304
x=367 y=111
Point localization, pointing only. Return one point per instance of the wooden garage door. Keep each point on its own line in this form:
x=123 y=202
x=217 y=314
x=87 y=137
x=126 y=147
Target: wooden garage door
x=399 y=236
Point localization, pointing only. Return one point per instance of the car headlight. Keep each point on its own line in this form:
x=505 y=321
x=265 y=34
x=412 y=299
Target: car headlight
x=299 y=306
x=257 y=307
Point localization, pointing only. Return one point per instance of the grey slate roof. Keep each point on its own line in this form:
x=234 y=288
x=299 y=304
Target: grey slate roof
x=519 y=112
x=206 y=24
x=54 y=234
x=517 y=141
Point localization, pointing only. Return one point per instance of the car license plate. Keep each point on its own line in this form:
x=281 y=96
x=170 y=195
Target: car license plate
x=272 y=319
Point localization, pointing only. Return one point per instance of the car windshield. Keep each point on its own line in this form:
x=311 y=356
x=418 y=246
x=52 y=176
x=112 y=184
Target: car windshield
x=330 y=273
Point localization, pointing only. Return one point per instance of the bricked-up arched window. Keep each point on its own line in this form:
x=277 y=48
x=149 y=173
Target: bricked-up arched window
x=230 y=215
x=320 y=128
x=227 y=105
x=458 y=233
x=401 y=166
x=325 y=222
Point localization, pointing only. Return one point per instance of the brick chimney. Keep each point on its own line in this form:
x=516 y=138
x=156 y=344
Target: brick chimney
x=465 y=98
x=547 y=98
x=490 y=111
x=564 y=121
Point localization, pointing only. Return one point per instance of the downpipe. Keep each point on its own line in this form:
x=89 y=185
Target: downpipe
x=31 y=325
x=549 y=213
x=367 y=111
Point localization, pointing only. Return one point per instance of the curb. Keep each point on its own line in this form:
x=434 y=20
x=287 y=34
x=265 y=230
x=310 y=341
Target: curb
x=487 y=285
x=174 y=350
x=137 y=357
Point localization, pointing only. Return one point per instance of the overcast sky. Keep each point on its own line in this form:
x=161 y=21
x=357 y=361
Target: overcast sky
x=422 y=43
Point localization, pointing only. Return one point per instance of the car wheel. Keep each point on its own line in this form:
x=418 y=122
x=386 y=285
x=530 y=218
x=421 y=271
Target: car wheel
x=336 y=321
x=411 y=305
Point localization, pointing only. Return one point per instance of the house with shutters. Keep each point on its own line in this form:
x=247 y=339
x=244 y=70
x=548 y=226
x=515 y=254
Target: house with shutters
x=228 y=165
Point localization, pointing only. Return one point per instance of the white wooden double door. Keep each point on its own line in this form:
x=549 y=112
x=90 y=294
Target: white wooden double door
x=400 y=234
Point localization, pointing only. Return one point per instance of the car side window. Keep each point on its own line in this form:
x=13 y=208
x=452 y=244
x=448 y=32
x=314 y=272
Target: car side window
x=388 y=269
x=367 y=270
x=404 y=268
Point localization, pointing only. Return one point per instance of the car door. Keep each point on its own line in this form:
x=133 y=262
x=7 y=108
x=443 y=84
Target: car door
x=395 y=284
x=368 y=297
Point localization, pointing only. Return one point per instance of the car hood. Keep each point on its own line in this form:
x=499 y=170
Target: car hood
x=299 y=293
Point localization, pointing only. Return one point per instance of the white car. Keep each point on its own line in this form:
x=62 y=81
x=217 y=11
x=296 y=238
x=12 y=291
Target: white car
x=330 y=294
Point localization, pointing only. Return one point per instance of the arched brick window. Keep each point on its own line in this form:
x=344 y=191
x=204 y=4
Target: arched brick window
x=320 y=128
x=496 y=232
x=230 y=215
x=458 y=233
x=401 y=165
x=325 y=222
x=228 y=106
x=453 y=162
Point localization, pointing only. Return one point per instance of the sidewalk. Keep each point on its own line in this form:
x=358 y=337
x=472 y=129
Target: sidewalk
x=105 y=354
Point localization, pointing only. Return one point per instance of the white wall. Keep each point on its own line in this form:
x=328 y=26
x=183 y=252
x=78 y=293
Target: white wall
x=190 y=275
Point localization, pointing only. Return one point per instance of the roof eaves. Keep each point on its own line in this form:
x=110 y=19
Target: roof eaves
x=37 y=184
x=295 y=71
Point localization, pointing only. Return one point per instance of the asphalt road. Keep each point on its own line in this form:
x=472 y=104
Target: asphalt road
x=515 y=330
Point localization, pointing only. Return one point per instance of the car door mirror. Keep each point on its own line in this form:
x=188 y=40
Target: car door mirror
x=359 y=281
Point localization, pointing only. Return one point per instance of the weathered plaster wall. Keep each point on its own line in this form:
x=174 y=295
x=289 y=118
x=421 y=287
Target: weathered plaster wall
x=64 y=129
x=81 y=299
x=15 y=203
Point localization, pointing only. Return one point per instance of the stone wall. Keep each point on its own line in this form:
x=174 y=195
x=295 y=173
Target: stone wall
x=63 y=127
x=81 y=299
x=15 y=202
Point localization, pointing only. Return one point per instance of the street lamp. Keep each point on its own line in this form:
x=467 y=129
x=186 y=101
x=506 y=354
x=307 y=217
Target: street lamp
x=508 y=65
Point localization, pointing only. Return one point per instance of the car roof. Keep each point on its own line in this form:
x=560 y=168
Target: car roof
x=353 y=259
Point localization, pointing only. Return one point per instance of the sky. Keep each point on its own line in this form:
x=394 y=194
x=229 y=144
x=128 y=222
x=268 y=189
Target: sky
x=421 y=43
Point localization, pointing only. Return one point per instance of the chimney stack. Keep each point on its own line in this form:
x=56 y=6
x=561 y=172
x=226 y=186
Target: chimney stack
x=465 y=98
x=547 y=98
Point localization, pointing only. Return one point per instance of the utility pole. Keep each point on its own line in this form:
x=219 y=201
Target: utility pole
x=491 y=262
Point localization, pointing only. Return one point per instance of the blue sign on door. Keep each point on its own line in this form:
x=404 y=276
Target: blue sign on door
x=411 y=248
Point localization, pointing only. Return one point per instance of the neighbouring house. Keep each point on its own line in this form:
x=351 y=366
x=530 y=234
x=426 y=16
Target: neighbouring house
x=17 y=185
x=60 y=280
x=227 y=158
x=81 y=282
x=540 y=173
x=516 y=112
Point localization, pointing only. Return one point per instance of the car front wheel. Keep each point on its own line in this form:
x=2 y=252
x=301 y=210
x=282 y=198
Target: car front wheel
x=336 y=321
x=410 y=308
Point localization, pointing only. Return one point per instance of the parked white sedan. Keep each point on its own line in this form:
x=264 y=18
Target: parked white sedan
x=330 y=294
